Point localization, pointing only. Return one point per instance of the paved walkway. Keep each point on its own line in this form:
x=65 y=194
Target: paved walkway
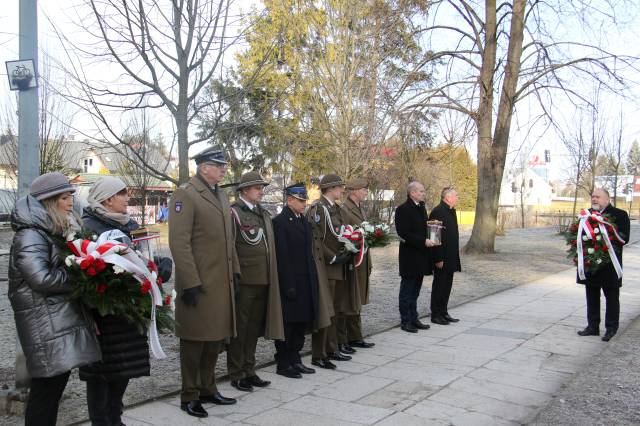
x=501 y=364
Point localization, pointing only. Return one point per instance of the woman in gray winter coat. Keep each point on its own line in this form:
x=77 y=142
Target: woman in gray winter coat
x=54 y=330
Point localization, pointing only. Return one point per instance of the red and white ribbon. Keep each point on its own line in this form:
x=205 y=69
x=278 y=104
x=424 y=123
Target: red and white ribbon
x=118 y=254
x=353 y=240
x=584 y=227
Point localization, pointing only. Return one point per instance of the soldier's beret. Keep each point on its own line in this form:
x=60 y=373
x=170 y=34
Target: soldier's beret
x=357 y=183
x=211 y=155
x=330 y=180
x=251 y=179
x=297 y=190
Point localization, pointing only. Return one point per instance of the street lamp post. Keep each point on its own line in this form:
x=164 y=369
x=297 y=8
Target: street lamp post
x=28 y=132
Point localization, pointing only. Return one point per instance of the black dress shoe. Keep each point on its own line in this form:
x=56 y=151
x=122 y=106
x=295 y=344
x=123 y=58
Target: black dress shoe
x=217 y=399
x=337 y=356
x=289 y=372
x=420 y=326
x=323 y=363
x=450 y=318
x=439 y=320
x=346 y=349
x=409 y=328
x=242 y=385
x=194 y=408
x=257 y=381
x=303 y=368
x=589 y=331
x=608 y=335
x=361 y=344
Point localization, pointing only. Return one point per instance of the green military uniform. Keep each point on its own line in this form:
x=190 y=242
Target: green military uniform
x=325 y=341
x=202 y=246
x=355 y=216
x=258 y=304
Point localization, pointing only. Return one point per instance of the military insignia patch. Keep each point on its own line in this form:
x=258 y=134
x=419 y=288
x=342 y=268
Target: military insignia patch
x=317 y=218
x=178 y=207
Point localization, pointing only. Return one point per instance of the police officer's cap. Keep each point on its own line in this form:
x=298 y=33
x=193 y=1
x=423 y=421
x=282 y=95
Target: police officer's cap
x=251 y=179
x=357 y=183
x=211 y=155
x=297 y=190
x=330 y=180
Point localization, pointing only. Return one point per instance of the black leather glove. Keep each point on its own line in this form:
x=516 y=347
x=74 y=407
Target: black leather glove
x=290 y=293
x=190 y=296
x=236 y=284
x=165 y=267
x=342 y=257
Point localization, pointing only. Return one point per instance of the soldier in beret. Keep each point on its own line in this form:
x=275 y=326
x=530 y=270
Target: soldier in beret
x=356 y=193
x=203 y=250
x=258 y=309
x=299 y=280
x=326 y=219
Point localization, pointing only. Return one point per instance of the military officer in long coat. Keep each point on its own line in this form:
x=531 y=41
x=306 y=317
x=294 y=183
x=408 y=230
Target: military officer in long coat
x=258 y=308
x=299 y=282
x=326 y=219
x=356 y=194
x=203 y=250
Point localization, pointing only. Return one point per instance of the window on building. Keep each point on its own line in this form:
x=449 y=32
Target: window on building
x=88 y=162
x=530 y=183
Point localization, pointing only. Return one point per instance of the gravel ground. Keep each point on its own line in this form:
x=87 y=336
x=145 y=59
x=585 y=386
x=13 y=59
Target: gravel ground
x=606 y=392
x=523 y=255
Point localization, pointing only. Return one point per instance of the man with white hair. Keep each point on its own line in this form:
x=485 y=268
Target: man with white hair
x=446 y=256
x=414 y=257
x=606 y=277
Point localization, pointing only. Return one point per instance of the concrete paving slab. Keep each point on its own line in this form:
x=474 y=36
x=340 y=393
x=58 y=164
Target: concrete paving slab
x=399 y=395
x=544 y=381
x=338 y=410
x=500 y=392
x=405 y=419
x=353 y=388
x=452 y=355
x=435 y=411
x=282 y=417
x=432 y=375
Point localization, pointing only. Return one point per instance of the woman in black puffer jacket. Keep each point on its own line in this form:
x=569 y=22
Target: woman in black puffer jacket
x=55 y=332
x=125 y=352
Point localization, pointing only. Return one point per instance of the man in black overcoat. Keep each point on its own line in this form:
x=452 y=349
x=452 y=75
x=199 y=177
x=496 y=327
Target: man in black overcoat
x=446 y=257
x=298 y=280
x=606 y=277
x=414 y=256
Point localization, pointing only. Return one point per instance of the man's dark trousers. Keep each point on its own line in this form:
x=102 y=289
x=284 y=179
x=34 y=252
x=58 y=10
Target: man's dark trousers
x=440 y=292
x=612 y=294
x=408 y=298
x=288 y=351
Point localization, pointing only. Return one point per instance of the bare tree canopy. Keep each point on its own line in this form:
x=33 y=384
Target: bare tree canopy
x=161 y=54
x=493 y=56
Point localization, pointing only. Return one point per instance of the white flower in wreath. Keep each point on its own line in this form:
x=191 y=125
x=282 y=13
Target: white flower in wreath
x=596 y=231
x=368 y=228
x=598 y=238
x=94 y=237
x=70 y=236
x=585 y=238
x=118 y=270
x=598 y=261
x=173 y=300
x=69 y=260
x=590 y=250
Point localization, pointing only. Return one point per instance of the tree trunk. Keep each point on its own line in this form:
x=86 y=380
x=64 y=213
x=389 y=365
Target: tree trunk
x=484 y=226
x=492 y=153
x=183 y=143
